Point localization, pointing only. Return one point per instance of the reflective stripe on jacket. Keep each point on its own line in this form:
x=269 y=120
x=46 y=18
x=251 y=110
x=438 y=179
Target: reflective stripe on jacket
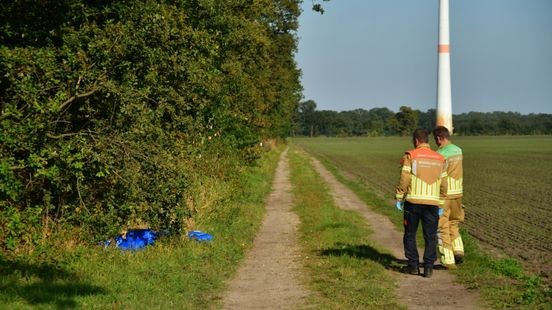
x=423 y=177
x=453 y=162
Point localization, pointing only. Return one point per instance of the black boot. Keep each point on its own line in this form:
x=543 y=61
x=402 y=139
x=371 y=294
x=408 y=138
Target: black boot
x=428 y=272
x=411 y=270
x=459 y=258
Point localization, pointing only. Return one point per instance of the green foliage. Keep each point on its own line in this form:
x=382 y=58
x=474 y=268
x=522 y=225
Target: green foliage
x=407 y=121
x=502 y=123
x=382 y=121
x=111 y=111
x=317 y=7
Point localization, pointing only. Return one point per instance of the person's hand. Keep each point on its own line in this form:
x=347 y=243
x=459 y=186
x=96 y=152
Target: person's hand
x=441 y=211
x=399 y=205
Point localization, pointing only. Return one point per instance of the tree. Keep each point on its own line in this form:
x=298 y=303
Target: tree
x=427 y=119
x=407 y=120
x=377 y=121
x=307 y=110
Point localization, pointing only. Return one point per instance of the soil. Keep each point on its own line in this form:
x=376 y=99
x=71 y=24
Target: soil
x=271 y=275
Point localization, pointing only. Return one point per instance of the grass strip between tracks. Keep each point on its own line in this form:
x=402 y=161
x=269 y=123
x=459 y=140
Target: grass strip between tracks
x=346 y=271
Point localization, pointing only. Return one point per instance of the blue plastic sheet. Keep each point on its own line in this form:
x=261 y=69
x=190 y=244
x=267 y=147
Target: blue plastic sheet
x=136 y=239
x=199 y=235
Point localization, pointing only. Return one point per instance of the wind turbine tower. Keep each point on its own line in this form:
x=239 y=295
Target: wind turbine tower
x=444 y=94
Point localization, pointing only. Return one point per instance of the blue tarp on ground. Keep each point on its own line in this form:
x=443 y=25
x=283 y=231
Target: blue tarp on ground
x=135 y=239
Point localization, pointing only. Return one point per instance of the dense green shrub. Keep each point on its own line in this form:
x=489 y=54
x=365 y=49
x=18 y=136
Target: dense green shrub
x=109 y=110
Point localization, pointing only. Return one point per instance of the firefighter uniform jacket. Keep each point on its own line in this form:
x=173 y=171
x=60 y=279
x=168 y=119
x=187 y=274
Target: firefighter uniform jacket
x=423 y=177
x=453 y=163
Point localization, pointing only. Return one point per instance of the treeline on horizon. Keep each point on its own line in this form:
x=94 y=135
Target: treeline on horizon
x=384 y=122
x=111 y=112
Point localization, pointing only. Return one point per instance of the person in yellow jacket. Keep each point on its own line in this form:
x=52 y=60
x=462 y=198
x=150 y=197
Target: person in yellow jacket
x=419 y=194
x=451 y=247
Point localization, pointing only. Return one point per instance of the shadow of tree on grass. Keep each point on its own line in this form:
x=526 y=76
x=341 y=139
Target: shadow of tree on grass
x=42 y=284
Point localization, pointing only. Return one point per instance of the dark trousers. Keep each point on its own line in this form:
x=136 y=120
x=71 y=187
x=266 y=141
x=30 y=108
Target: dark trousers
x=429 y=215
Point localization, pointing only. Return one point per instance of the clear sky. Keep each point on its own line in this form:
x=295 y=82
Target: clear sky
x=383 y=53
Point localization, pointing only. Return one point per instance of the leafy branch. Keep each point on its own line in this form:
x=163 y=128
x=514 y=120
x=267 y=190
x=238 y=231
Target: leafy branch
x=317 y=7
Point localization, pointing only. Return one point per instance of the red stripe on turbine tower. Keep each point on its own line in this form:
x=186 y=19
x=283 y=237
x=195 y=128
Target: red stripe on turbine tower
x=444 y=48
x=444 y=93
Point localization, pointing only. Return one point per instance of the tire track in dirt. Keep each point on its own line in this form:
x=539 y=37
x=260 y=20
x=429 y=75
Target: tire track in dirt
x=269 y=278
x=416 y=292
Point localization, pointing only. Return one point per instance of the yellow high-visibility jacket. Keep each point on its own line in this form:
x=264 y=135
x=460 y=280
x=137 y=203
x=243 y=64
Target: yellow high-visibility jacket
x=453 y=162
x=423 y=177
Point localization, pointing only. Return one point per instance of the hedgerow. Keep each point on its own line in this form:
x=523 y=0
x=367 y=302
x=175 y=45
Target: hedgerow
x=111 y=110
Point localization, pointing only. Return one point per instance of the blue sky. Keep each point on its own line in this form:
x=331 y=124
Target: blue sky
x=383 y=53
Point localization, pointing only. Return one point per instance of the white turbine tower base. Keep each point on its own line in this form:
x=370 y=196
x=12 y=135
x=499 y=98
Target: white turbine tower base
x=444 y=93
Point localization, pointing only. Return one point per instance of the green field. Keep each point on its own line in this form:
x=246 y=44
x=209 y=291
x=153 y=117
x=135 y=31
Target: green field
x=507 y=183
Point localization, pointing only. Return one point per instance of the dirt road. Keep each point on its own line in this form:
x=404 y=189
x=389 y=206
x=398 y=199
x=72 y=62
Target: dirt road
x=270 y=277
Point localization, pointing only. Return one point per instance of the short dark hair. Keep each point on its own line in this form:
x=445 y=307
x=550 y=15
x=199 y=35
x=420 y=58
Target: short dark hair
x=442 y=132
x=421 y=135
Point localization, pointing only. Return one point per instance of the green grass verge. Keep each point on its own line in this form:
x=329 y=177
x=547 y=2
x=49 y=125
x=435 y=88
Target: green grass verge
x=173 y=273
x=502 y=283
x=346 y=271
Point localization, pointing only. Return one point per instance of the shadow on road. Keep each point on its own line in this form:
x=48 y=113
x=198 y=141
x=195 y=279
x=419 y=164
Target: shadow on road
x=364 y=251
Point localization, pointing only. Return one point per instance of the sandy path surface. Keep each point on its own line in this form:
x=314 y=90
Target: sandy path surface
x=270 y=276
x=416 y=292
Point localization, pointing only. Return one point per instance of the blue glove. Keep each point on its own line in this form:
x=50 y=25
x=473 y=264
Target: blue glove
x=399 y=205
x=441 y=211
